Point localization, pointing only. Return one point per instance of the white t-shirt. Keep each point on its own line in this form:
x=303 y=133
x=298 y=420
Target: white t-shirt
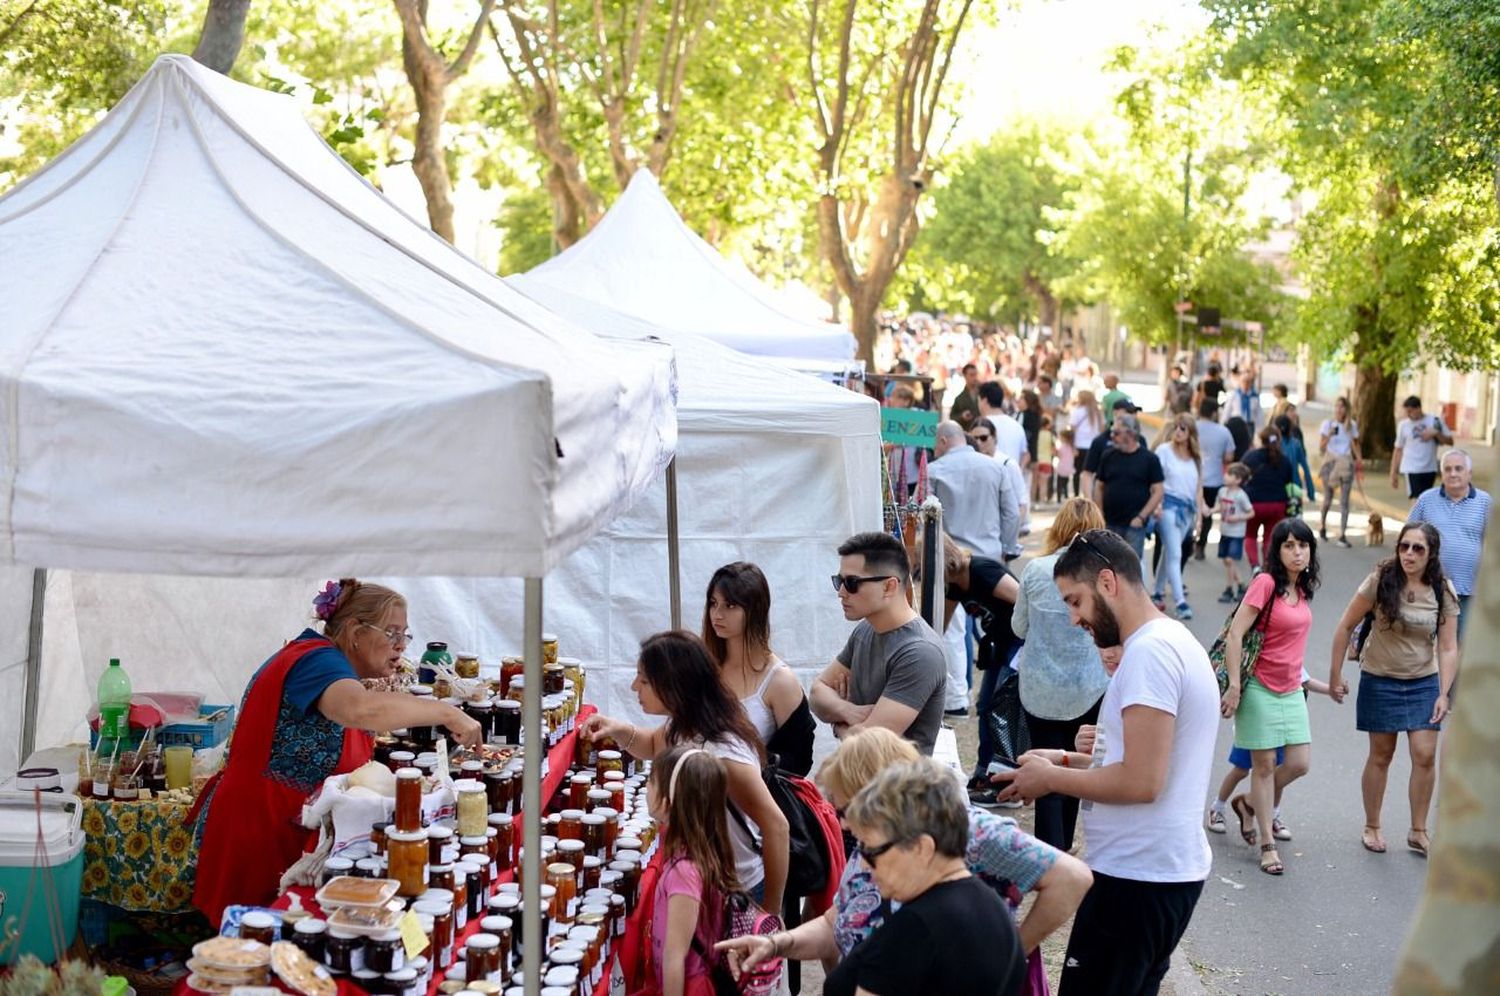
x=1084 y=430
x=1163 y=667
x=1180 y=474
x=748 y=866
x=1217 y=446
x=1340 y=440
x=1418 y=456
x=1010 y=438
x=1011 y=545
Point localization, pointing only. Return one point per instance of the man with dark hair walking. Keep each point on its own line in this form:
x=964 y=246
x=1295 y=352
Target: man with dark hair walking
x=893 y=670
x=1144 y=782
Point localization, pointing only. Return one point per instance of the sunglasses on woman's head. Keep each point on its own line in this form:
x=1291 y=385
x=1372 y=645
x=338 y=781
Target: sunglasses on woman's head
x=851 y=582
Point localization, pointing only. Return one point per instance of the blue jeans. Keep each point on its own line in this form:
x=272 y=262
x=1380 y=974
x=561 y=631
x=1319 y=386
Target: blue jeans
x=1175 y=527
x=1136 y=537
x=986 y=752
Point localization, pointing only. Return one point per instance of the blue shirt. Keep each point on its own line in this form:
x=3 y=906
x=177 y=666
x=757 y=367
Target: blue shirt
x=1461 y=525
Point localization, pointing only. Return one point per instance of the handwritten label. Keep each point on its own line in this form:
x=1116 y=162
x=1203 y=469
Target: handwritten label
x=411 y=935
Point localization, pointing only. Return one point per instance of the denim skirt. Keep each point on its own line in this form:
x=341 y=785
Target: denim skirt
x=1395 y=705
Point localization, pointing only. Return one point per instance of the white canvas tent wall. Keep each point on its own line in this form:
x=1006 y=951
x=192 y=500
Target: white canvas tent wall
x=224 y=354
x=643 y=260
x=773 y=466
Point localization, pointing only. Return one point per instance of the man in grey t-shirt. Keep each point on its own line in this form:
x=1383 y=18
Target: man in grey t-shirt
x=893 y=671
x=1217 y=446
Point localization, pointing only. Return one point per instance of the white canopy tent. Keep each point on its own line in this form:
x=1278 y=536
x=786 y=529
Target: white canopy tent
x=643 y=260
x=773 y=466
x=226 y=355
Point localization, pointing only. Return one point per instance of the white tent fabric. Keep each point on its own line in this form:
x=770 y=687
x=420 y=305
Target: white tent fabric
x=212 y=365
x=773 y=467
x=642 y=259
x=224 y=353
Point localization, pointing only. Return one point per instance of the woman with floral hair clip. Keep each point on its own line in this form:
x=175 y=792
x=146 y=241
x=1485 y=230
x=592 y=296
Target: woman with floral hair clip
x=305 y=716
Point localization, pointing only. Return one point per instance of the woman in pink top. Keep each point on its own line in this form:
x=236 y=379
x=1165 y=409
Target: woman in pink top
x=1271 y=711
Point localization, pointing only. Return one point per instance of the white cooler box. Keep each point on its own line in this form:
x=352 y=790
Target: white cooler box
x=23 y=874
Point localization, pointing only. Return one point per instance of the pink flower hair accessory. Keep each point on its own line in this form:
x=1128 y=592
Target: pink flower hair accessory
x=327 y=600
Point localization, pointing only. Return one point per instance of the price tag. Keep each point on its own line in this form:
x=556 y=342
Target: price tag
x=411 y=935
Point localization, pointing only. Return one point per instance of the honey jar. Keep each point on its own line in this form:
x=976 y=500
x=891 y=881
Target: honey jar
x=406 y=854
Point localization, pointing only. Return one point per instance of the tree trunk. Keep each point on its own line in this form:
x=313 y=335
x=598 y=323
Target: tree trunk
x=1454 y=944
x=222 y=35
x=1374 y=401
x=428 y=161
x=864 y=305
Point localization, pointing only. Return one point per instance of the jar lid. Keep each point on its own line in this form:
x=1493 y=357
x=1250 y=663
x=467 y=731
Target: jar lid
x=582 y=778
x=338 y=863
x=548 y=891
x=432 y=907
x=490 y=833
x=311 y=926
x=402 y=975
x=570 y=845
x=466 y=655
x=568 y=660
x=365 y=974
x=505 y=901
x=605 y=811
x=571 y=814
x=472 y=842
x=561 y=868
x=438 y=896
x=594 y=819
x=549 y=637
x=482 y=941
x=592 y=861
x=419 y=689
x=554 y=666
x=405 y=836
x=509 y=704
x=257 y=919
x=562 y=956
x=583 y=933
x=495 y=922
x=390 y=936
x=368 y=864
x=609 y=755
x=437 y=645
x=468 y=785
x=439 y=832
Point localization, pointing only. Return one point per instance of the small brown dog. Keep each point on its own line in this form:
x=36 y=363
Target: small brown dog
x=1375 y=535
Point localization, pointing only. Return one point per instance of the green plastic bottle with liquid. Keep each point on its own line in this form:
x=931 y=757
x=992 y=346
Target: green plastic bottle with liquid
x=114 y=702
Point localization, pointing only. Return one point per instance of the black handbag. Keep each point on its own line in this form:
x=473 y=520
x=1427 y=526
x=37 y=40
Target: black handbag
x=1007 y=718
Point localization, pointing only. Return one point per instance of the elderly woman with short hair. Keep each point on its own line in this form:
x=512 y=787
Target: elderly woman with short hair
x=1006 y=859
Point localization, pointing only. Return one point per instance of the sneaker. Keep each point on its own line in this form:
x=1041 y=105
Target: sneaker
x=1227 y=596
x=955 y=712
x=986 y=797
x=1344 y=542
x=1215 y=822
x=1184 y=611
x=1159 y=602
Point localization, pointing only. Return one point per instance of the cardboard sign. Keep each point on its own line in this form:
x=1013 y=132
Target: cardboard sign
x=909 y=427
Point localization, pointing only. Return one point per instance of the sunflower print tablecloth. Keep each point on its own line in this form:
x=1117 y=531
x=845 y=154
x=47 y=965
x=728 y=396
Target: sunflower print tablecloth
x=139 y=855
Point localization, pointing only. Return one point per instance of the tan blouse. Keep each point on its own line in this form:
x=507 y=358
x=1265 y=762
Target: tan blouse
x=1407 y=647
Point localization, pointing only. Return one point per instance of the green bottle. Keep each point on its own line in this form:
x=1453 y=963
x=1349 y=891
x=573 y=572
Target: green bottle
x=114 y=702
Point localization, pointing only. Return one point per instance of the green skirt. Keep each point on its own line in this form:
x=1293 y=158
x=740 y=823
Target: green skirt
x=1266 y=720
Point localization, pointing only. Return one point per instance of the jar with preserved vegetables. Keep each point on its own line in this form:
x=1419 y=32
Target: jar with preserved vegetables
x=467 y=666
x=549 y=648
x=473 y=807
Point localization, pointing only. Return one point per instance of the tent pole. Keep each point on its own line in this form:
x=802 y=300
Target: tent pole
x=531 y=798
x=33 y=662
x=674 y=554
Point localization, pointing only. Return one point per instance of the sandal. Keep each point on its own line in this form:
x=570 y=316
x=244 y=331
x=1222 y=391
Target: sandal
x=1215 y=822
x=1246 y=813
x=1273 y=866
x=1279 y=829
x=1418 y=846
x=1371 y=839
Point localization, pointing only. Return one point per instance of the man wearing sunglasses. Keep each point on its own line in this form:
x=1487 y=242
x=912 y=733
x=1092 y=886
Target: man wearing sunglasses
x=1129 y=486
x=1142 y=790
x=893 y=671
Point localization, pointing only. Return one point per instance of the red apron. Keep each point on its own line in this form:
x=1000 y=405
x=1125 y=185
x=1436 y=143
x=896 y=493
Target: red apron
x=254 y=830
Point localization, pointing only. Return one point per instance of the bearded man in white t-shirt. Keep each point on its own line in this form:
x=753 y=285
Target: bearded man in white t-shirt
x=1143 y=785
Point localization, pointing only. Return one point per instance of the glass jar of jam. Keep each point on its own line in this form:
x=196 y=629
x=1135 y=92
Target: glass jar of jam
x=311 y=935
x=589 y=877
x=571 y=851
x=608 y=760
x=406 y=857
x=377 y=837
x=473 y=807
x=630 y=877
x=334 y=867
x=579 y=786
x=570 y=824
x=482 y=958
x=370 y=981
x=441 y=877
x=505 y=839
x=369 y=868
x=438 y=839
x=258 y=926
x=344 y=951
x=408 y=799
x=597 y=798
x=563 y=877
x=479 y=711
x=474 y=875
x=510 y=668
x=466 y=665
x=460 y=900
x=441 y=911
x=384 y=952
x=398 y=759
x=549 y=648
x=403 y=981
x=552 y=679
x=477 y=850
x=500 y=927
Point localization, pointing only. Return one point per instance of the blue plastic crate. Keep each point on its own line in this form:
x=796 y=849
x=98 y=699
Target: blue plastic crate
x=204 y=733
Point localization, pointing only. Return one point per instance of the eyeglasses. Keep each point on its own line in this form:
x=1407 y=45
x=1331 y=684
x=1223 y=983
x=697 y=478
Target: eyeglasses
x=1082 y=539
x=982 y=439
x=397 y=637
x=851 y=582
x=872 y=853
x=1411 y=547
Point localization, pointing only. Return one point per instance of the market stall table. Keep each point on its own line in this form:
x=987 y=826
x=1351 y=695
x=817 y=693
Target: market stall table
x=138 y=855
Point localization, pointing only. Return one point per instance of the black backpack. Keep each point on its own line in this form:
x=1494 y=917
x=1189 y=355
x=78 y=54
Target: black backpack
x=808 y=864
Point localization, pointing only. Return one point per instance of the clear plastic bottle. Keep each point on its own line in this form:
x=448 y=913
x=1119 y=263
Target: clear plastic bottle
x=114 y=702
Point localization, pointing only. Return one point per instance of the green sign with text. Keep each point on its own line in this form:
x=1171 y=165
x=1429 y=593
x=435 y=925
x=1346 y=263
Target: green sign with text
x=909 y=427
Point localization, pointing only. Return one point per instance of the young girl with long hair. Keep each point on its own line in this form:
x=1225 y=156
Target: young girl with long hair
x=1085 y=420
x=676 y=677
x=737 y=632
x=687 y=793
x=1407 y=667
x=1270 y=712
x=1177 y=522
x=1338 y=443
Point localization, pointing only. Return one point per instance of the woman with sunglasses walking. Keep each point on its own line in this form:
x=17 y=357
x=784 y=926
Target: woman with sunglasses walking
x=305 y=716
x=1407 y=666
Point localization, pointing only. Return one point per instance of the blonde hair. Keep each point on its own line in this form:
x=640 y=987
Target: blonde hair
x=860 y=758
x=954 y=556
x=358 y=602
x=1077 y=515
x=913 y=799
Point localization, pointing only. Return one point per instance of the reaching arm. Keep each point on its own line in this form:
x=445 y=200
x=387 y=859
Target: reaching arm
x=637 y=741
x=1447 y=649
x=352 y=705
x=813 y=940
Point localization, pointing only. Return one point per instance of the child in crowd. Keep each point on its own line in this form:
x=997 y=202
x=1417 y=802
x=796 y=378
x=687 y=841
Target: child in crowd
x=687 y=793
x=1044 y=487
x=1066 y=455
x=1235 y=510
x=1239 y=767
